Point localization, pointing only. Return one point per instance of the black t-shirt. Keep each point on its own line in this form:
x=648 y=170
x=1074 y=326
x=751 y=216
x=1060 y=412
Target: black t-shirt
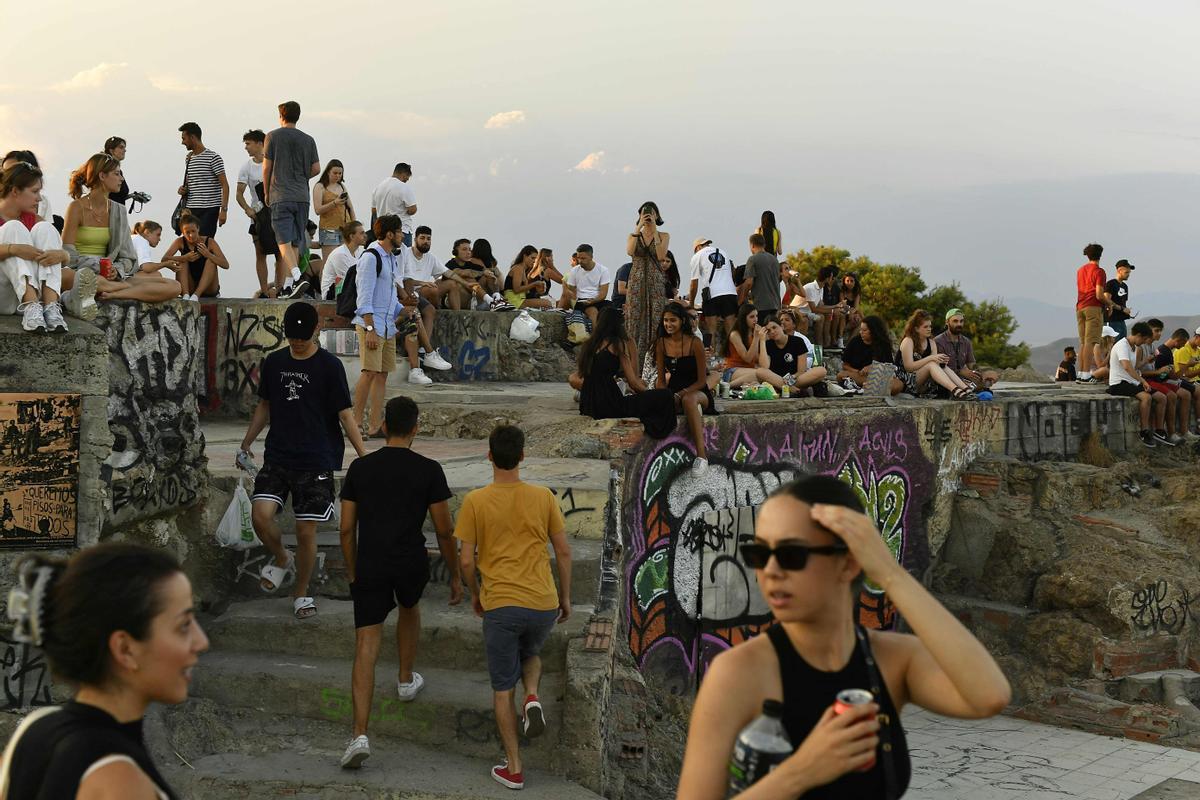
x=1120 y=295
x=857 y=353
x=393 y=489
x=831 y=295
x=784 y=359
x=306 y=396
x=1068 y=371
x=618 y=298
x=1164 y=356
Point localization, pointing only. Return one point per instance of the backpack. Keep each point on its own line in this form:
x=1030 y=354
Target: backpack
x=347 y=298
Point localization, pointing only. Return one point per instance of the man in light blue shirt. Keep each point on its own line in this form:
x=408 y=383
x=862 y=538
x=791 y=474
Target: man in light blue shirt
x=379 y=318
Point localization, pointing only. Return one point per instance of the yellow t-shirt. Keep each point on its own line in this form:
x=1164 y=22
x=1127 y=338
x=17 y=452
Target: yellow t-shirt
x=511 y=524
x=1184 y=356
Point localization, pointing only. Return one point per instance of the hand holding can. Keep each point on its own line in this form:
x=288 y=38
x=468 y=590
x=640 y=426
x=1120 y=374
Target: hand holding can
x=849 y=699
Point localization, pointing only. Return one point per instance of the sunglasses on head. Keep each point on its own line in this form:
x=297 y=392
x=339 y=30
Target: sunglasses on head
x=788 y=556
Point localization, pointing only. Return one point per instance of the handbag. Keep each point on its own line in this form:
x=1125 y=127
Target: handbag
x=178 y=212
x=716 y=259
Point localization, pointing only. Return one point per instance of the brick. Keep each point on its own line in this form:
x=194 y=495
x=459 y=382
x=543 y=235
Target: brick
x=1142 y=736
x=1117 y=659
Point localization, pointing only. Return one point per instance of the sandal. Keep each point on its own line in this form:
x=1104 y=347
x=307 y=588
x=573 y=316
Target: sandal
x=304 y=607
x=272 y=576
x=962 y=394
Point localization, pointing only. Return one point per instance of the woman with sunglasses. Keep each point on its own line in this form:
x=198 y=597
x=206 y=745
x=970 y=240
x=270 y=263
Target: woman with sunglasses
x=812 y=549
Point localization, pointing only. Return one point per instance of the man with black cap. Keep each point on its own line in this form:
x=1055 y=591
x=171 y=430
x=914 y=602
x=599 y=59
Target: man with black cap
x=303 y=392
x=1116 y=298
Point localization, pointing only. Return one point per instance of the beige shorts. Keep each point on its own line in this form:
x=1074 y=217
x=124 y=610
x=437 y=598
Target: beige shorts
x=382 y=358
x=1090 y=320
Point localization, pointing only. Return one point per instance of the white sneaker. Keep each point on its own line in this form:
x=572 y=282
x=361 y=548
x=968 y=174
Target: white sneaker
x=834 y=390
x=80 y=300
x=417 y=375
x=33 y=318
x=358 y=751
x=434 y=360
x=53 y=315
x=1176 y=438
x=408 y=691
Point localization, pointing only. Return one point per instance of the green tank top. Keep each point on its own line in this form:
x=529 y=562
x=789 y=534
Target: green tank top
x=92 y=241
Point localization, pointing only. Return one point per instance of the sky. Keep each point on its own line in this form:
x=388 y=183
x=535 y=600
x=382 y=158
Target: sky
x=983 y=143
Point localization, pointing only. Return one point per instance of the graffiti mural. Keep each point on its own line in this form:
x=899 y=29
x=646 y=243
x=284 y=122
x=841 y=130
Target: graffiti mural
x=39 y=470
x=25 y=674
x=249 y=332
x=478 y=346
x=1055 y=431
x=689 y=595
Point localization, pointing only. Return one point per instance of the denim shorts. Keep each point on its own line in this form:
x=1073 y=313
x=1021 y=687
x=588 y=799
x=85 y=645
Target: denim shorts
x=511 y=636
x=287 y=220
x=327 y=237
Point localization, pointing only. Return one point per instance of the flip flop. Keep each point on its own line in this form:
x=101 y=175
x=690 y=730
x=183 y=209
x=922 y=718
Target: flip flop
x=272 y=576
x=304 y=607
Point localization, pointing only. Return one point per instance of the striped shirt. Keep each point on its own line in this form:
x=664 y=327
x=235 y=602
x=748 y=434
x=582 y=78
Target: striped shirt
x=204 y=170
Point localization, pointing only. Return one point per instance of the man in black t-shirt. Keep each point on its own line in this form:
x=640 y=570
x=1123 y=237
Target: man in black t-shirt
x=1066 y=370
x=385 y=499
x=303 y=394
x=1116 y=298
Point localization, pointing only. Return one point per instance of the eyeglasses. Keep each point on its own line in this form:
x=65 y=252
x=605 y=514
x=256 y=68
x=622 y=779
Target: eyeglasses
x=788 y=556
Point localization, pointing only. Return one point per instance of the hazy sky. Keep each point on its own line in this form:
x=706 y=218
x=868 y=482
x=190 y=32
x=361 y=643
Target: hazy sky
x=975 y=140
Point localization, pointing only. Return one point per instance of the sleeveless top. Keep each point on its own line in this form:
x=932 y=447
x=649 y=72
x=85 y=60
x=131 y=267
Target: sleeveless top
x=916 y=356
x=92 y=241
x=335 y=217
x=56 y=751
x=733 y=360
x=808 y=691
x=683 y=375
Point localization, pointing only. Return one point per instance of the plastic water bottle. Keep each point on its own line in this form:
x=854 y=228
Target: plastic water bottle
x=246 y=462
x=760 y=747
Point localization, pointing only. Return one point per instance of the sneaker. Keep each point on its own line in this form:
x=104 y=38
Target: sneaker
x=841 y=343
x=513 y=780
x=1147 y=439
x=33 y=318
x=1086 y=379
x=434 y=360
x=1160 y=437
x=358 y=751
x=417 y=375
x=1177 y=439
x=850 y=385
x=535 y=717
x=80 y=301
x=503 y=305
x=53 y=315
x=408 y=691
x=833 y=390
x=298 y=288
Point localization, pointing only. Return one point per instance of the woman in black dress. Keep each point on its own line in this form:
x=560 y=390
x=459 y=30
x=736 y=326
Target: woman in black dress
x=679 y=357
x=117 y=622
x=607 y=355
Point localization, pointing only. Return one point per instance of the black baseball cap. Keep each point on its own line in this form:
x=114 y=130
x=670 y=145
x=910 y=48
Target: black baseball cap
x=300 y=320
x=1124 y=263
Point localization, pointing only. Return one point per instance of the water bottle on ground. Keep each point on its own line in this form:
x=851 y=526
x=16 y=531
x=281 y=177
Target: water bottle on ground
x=760 y=747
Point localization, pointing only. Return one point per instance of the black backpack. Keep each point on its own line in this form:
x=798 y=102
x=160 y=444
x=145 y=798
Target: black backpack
x=347 y=297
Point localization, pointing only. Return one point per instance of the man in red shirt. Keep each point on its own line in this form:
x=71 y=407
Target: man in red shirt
x=1089 y=308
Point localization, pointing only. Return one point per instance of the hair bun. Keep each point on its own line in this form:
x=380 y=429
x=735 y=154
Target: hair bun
x=27 y=601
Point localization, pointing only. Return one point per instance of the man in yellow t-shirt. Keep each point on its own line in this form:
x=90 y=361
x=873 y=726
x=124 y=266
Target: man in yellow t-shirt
x=504 y=528
x=1187 y=369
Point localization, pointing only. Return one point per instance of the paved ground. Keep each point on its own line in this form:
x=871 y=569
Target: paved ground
x=1011 y=759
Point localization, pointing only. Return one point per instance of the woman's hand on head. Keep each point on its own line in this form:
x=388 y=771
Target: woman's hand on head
x=859 y=533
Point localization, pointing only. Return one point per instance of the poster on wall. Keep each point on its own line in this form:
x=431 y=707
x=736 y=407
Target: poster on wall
x=39 y=470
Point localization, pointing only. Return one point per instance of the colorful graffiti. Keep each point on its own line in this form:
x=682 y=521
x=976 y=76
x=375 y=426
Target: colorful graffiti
x=689 y=594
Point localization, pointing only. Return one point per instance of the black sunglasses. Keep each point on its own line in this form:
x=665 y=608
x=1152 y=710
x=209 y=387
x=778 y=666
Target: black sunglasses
x=789 y=556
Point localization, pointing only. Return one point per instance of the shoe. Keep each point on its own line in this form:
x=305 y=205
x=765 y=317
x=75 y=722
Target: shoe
x=296 y=273
x=503 y=305
x=1160 y=437
x=417 y=375
x=834 y=390
x=841 y=343
x=850 y=385
x=1191 y=434
x=1147 y=439
x=513 y=780
x=80 y=300
x=700 y=466
x=434 y=360
x=576 y=398
x=1086 y=380
x=33 y=318
x=535 y=717
x=358 y=751
x=408 y=691
x=1177 y=439
x=298 y=288
x=52 y=313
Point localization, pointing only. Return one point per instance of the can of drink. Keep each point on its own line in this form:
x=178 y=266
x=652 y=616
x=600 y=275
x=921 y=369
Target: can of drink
x=846 y=700
x=723 y=389
x=786 y=392
x=106 y=269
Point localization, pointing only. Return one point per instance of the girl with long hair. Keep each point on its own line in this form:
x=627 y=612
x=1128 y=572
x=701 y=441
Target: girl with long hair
x=137 y=647
x=331 y=202
x=482 y=258
x=812 y=548
x=196 y=258
x=746 y=360
x=919 y=363
x=31 y=253
x=787 y=362
x=774 y=239
x=852 y=295
x=521 y=291
x=867 y=351
x=646 y=295
x=680 y=362
x=608 y=354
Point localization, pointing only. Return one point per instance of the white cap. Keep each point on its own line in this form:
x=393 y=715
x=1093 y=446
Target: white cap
x=1109 y=332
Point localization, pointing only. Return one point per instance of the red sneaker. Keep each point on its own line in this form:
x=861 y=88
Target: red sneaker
x=513 y=780
x=535 y=717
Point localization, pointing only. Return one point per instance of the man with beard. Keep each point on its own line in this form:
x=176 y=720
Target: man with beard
x=426 y=282
x=955 y=344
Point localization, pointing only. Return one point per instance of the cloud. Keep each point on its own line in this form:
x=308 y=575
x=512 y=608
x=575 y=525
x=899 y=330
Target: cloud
x=501 y=164
x=92 y=78
x=505 y=119
x=592 y=162
x=173 y=85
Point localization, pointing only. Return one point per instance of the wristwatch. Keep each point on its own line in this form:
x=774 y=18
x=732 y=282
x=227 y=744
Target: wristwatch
x=369 y=329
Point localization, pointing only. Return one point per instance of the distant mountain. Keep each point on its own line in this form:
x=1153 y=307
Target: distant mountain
x=1045 y=359
x=1040 y=322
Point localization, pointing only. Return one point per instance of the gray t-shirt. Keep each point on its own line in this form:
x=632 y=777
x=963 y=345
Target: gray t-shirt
x=764 y=267
x=292 y=153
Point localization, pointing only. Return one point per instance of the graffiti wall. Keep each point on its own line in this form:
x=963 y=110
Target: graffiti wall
x=157 y=460
x=39 y=470
x=477 y=344
x=235 y=336
x=689 y=595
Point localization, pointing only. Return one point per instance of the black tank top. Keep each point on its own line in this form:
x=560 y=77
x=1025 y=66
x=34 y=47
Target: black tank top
x=808 y=691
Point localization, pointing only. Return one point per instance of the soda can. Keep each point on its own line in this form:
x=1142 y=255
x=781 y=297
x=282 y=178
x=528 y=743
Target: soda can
x=786 y=392
x=723 y=389
x=846 y=700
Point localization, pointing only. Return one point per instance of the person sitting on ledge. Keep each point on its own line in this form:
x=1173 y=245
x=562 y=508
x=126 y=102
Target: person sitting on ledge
x=1124 y=380
x=470 y=275
x=680 y=363
x=1100 y=355
x=786 y=355
x=1066 y=369
x=956 y=344
x=522 y=291
x=489 y=275
x=196 y=259
x=920 y=365
x=31 y=253
x=870 y=346
x=344 y=256
x=746 y=360
x=606 y=355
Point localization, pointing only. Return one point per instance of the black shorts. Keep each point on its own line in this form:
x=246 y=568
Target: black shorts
x=207 y=218
x=1125 y=389
x=582 y=305
x=725 y=305
x=1187 y=386
x=374 y=597
x=311 y=492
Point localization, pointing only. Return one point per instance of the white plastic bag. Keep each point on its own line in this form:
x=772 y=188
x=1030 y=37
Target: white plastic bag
x=236 y=530
x=524 y=328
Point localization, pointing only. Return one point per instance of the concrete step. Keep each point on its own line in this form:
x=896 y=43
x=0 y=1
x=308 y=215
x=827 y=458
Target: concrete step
x=451 y=636
x=453 y=712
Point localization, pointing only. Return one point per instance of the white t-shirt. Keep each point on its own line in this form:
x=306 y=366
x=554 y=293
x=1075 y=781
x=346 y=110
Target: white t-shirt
x=815 y=294
x=394 y=196
x=722 y=278
x=807 y=343
x=587 y=283
x=339 y=261
x=251 y=175
x=144 y=254
x=1116 y=373
x=424 y=269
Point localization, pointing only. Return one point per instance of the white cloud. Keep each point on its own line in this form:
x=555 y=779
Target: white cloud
x=92 y=78
x=173 y=85
x=592 y=162
x=505 y=119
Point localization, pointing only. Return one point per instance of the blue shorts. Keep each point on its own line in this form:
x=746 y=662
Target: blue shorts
x=511 y=636
x=287 y=219
x=327 y=237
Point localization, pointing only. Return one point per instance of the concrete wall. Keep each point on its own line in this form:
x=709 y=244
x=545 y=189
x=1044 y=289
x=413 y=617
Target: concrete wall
x=478 y=345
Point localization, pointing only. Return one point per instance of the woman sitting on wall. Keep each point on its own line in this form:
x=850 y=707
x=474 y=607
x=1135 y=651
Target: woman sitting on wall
x=519 y=290
x=786 y=359
x=679 y=358
x=746 y=360
x=31 y=253
x=869 y=349
x=196 y=258
x=812 y=549
x=919 y=364
x=608 y=354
